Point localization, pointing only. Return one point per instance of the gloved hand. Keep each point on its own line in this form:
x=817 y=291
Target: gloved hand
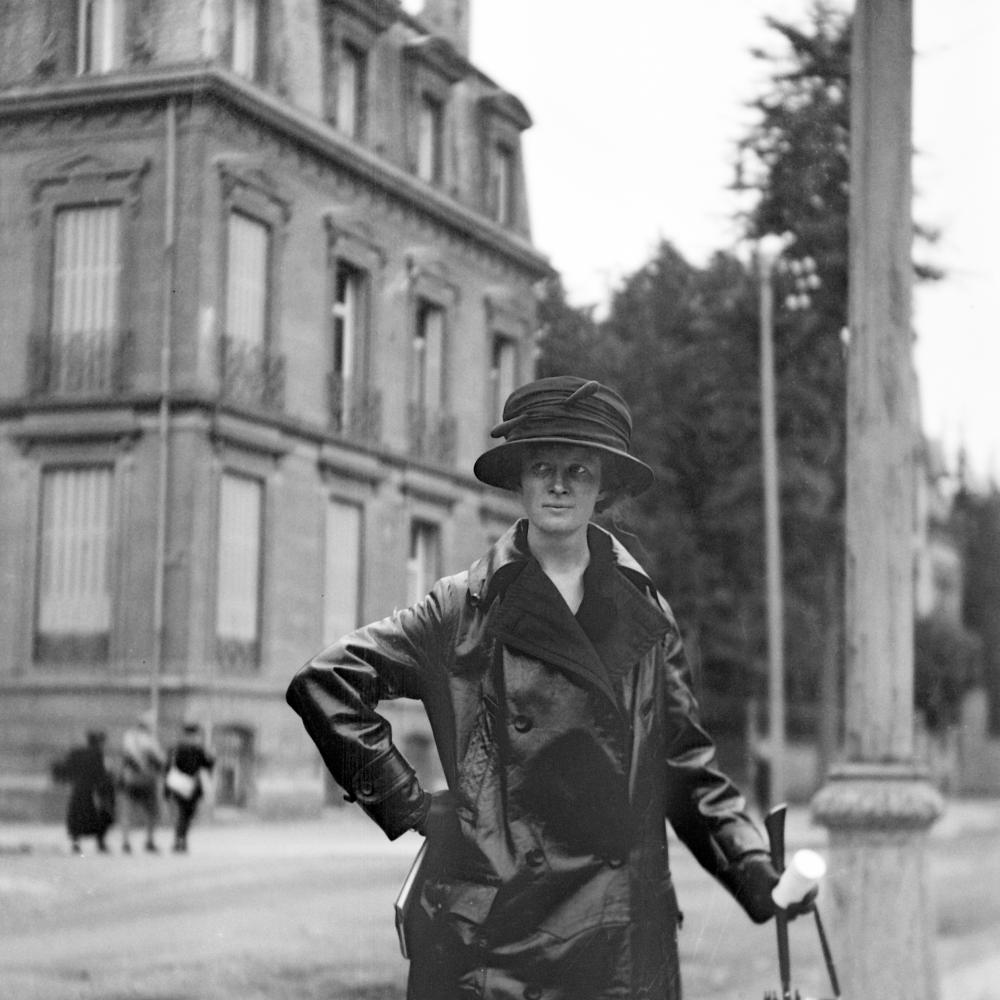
x=755 y=878
x=438 y=816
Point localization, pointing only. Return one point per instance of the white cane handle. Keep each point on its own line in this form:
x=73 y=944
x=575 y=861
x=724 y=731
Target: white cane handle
x=803 y=874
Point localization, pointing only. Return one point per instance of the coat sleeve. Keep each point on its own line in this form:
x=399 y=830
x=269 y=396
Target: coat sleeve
x=704 y=807
x=337 y=691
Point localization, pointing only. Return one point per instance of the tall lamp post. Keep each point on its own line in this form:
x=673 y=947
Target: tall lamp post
x=769 y=249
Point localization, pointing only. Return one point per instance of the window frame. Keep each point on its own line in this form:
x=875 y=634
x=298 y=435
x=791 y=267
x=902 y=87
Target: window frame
x=430 y=138
x=417 y=590
x=112 y=54
x=348 y=244
x=248 y=189
x=503 y=119
x=81 y=180
x=358 y=506
x=431 y=68
x=68 y=645
x=258 y=71
x=236 y=655
x=354 y=24
x=506 y=316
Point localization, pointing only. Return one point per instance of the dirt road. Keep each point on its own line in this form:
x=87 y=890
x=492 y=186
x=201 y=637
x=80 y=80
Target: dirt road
x=302 y=911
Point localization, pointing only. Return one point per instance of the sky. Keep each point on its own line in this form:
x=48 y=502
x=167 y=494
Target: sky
x=637 y=107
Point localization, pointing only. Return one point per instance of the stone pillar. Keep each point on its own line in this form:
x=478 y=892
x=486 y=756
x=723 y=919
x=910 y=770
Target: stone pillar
x=879 y=805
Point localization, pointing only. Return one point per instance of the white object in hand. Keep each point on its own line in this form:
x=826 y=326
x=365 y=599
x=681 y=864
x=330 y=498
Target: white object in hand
x=803 y=874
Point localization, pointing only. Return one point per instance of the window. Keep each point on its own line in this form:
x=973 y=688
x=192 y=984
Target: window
x=233 y=773
x=503 y=372
x=246 y=279
x=503 y=183
x=341 y=592
x=430 y=129
x=428 y=357
x=238 y=589
x=246 y=38
x=86 y=277
x=347 y=311
x=100 y=36
x=423 y=567
x=351 y=91
x=253 y=230
x=74 y=591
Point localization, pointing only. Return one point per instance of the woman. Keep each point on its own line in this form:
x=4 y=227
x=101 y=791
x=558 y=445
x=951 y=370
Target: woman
x=554 y=679
x=91 y=807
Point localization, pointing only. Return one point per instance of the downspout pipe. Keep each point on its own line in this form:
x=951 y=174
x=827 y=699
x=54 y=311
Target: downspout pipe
x=163 y=423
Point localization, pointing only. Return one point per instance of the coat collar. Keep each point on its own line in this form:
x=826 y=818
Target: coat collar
x=533 y=618
x=492 y=573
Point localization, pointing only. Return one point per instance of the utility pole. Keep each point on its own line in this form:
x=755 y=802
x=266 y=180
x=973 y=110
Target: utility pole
x=878 y=805
x=769 y=249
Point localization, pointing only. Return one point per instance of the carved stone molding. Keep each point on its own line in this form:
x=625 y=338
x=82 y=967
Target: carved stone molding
x=71 y=176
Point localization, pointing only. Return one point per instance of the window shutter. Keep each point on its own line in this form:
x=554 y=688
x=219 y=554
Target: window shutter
x=240 y=506
x=433 y=330
x=343 y=570
x=87 y=273
x=76 y=530
x=246 y=292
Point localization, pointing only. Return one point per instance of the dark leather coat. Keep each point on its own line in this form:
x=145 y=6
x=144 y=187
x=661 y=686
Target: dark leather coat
x=564 y=751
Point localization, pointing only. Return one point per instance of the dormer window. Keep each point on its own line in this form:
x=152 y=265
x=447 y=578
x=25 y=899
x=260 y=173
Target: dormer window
x=503 y=119
x=100 y=36
x=352 y=67
x=350 y=32
x=430 y=139
x=502 y=182
x=247 y=33
x=432 y=68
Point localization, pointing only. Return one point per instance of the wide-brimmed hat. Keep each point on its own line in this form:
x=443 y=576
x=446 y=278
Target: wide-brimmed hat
x=567 y=410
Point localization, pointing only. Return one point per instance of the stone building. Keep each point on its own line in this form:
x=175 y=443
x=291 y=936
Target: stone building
x=267 y=275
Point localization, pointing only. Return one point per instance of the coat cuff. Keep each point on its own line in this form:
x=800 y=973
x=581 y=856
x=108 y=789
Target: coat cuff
x=751 y=880
x=388 y=790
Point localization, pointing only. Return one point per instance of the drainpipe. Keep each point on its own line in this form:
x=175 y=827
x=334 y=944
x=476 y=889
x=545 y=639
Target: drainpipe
x=170 y=167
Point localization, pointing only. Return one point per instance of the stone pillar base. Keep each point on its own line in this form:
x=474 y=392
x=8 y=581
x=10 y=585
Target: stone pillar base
x=878 y=817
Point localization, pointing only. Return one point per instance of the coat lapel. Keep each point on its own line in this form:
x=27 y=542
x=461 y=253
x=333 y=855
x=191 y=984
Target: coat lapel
x=526 y=612
x=533 y=618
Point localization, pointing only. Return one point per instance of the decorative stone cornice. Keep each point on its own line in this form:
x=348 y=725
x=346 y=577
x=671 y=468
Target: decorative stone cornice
x=83 y=166
x=374 y=14
x=877 y=797
x=505 y=105
x=440 y=55
x=202 y=83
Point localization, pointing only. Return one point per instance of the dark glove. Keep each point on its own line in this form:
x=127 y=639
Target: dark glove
x=438 y=816
x=754 y=879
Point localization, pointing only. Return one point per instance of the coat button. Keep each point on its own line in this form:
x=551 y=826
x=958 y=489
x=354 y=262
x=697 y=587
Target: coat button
x=532 y=993
x=535 y=857
x=522 y=723
x=365 y=788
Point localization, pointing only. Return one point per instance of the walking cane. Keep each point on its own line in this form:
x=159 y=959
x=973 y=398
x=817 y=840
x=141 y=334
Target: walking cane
x=775 y=825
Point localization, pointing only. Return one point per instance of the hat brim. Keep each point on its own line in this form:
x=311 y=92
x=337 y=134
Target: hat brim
x=501 y=466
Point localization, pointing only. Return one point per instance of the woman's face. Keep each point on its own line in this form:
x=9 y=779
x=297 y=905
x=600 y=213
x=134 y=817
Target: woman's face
x=560 y=484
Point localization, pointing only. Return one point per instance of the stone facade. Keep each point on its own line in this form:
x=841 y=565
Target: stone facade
x=182 y=129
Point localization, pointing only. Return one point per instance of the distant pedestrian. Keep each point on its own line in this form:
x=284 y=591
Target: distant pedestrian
x=188 y=759
x=143 y=762
x=91 y=807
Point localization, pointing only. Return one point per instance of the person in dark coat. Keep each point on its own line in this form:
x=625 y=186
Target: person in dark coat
x=188 y=758
x=90 y=810
x=554 y=679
